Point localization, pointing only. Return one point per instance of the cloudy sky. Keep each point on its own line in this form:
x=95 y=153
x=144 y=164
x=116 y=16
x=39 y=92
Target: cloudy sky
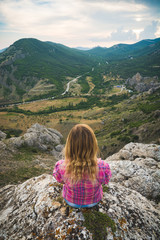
x=85 y=23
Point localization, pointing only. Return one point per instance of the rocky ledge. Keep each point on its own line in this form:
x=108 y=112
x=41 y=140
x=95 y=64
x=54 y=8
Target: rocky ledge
x=37 y=136
x=129 y=209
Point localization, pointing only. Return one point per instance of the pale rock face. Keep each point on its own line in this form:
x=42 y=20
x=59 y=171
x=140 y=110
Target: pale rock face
x=2 y=135
x=35 y=210
x=2 y=146
x=38 y=136
x=143 y=84
x=140 y=169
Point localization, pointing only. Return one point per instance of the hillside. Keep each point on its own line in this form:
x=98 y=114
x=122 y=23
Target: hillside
x=122 y=51
x=30 y=68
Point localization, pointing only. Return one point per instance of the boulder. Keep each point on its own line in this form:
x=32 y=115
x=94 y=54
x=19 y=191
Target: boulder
x=40 y=137
x=143 y=84
x=136 y=166
x=35 y=210
x=2 y=135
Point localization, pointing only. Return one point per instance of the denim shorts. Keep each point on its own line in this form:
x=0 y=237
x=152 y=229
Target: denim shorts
x=80 y=206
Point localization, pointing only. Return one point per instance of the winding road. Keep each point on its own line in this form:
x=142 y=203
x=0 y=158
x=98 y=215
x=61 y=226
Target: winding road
x=68 y=84
x=67 y=89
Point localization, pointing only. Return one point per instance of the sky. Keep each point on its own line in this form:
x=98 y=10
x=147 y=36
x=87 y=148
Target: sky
x=79 y=23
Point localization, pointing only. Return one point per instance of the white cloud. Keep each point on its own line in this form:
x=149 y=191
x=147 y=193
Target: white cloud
x=150 y=31
x=76 y=22
x=122 y=35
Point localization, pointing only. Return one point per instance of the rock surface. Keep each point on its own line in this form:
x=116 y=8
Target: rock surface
x=137 y=166
x=36 y=210
x=2 y=135
x=143 y=84
x=40 y=137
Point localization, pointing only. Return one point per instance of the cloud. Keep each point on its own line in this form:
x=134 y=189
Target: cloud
x=77 y=23
x=149 y=31
x=122 y=35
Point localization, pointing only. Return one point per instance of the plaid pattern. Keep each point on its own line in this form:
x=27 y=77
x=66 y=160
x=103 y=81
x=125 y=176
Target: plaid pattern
x=83 y=192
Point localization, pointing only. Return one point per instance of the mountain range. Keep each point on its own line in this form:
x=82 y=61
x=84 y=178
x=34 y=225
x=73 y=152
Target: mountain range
x=30 y=68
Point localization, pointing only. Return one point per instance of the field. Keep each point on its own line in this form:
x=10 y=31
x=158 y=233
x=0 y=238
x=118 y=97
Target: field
x=44 y=104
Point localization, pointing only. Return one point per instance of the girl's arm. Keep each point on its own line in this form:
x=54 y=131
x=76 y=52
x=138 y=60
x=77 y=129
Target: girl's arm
x=57 y=172
x=108 y=173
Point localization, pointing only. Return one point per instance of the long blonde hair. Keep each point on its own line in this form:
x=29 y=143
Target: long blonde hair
x=81 y=154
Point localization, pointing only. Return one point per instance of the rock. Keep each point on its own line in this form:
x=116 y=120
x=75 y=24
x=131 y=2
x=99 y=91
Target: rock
x=133 y=150
x=136 y=167
x=59 y=148
x=40 y=137
x=15 y=142
x=2 y=146
x=2 y=135
x=35 y=210
x=143 y=84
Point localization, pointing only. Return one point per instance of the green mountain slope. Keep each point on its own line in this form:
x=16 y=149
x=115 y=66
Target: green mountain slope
x=32 y=69
x=30 y=63
x=122 y=51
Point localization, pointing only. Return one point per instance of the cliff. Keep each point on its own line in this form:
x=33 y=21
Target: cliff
x=143 y=84
x=129 y=208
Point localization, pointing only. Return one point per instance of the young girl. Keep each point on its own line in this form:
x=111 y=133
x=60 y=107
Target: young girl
x=81 y=173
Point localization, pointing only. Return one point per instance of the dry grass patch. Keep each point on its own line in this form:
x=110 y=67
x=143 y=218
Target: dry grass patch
x=44 y=104
x=91 y=85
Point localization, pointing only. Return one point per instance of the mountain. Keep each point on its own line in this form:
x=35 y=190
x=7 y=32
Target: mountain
x=126 y=60
x=83 y=48
x=125 y=50
x=32 y=69
x=42 y=66
x=2 y=50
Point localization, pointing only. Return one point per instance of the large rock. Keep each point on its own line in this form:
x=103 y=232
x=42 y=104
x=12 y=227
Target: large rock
x=35 y=210
x=40 y=137
x=2 y=135
x=137 y=166
x=143 y=84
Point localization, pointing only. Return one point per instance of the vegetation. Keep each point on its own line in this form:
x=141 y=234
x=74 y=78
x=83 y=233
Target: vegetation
x=97 y=223
x=33 y=61
x=23 y=165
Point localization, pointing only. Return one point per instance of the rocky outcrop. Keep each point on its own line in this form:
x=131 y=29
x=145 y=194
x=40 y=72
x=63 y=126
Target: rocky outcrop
x=2 y=135
x=40 y=137
x=35 y=209
x=143 y=84
x=137 y=166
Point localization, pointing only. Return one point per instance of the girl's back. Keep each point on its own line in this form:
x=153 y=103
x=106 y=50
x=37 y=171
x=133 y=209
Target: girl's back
x=81 y=173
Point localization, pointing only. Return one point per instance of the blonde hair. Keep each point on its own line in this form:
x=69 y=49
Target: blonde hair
x=81 y=154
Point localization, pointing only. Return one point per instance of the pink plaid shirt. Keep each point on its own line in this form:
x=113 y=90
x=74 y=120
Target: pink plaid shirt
x=83 y=192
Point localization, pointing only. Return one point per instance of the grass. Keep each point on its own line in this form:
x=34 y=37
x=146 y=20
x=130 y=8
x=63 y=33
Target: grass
x=19 y=175
x=24 y=164
x=25 y=154
x=45 y=104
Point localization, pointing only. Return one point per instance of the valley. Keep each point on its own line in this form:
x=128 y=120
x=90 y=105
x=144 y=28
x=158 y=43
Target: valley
x=118 y=96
